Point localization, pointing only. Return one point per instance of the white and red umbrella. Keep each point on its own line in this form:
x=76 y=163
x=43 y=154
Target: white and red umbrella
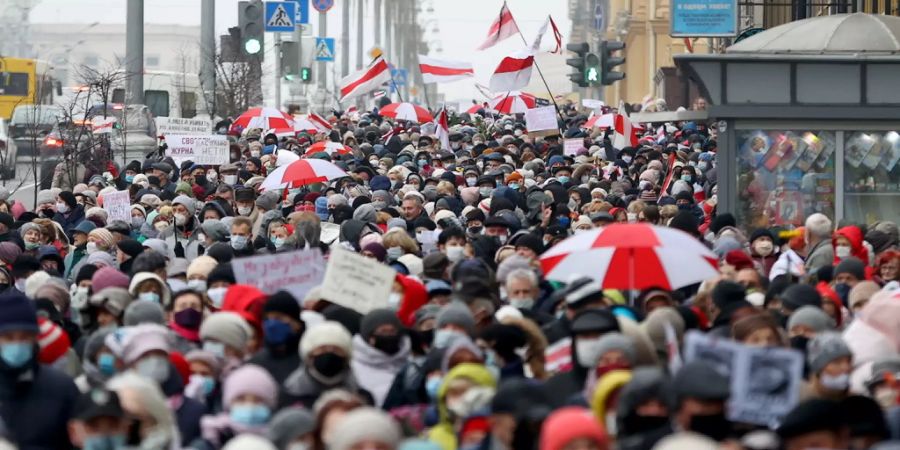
x=601 y=121
x=632 y=256
x=301 y=173
x=474 y=108
x=329 y=147
x=512 y=102
x=406 y=111
x=307 y=125
x=265 y=118
x=281 y=132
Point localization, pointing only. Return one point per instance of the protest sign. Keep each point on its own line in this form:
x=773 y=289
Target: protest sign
x=204 y=150
x=571 y=146
x=117 y=206
x=103 y=125
x=592 y=103
x=176 y=125
x=765 y=382
x=296 y=272
x=541 y=121
x=356 y=282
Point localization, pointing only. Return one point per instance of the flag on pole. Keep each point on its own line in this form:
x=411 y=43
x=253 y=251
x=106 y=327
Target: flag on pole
x=484 y=90
x=513 y=73
x=503 y=27
x=444 y=70
x=319 y=122
x=625 y=135
x=365 y=80
x=442 y=129
x=557 y=36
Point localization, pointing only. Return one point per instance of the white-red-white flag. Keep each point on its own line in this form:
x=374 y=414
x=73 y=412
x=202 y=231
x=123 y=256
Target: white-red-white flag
x=502 y=27
x=365 y=80
x=625 y=135
x=442 y=129
x=444 y=70
x=557 y=37
x=319 y=122
x=513 y=73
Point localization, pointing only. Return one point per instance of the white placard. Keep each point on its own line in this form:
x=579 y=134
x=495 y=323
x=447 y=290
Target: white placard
x=117 y=206
x=176 y=125
x=592 y=103
x=296 y=272
x=539 y=119
x=571 y=146
x=209 y=150
x=356 y=282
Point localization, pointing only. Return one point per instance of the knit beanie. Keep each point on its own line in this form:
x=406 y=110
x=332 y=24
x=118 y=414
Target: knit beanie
x=568 y=424
x=222 y=272
x=228 y=328
x=105 y=238
x=813 y=317
x=86 y=272
x=201 y=266
x=250 y=379
x=863 y=291
x=141 y=339
x=366 y=425
x=18 y=313
x=852 y=266
x=34 y=281
x=616 y=341
x=52 y=340
x=144 y=312
x=208 y=358
x=9 y=251
x=290 y=423
x=130 y=247
x=283 y=302
x=248 y=441
x=456 y=313
x=825 y=348
x=26 y=227
x=108 y=277
x=325 y=333
x=727 y=292
x=187 y=202
x=376 y=318
x=268 y=200
x=68 y=198
x=799 y=295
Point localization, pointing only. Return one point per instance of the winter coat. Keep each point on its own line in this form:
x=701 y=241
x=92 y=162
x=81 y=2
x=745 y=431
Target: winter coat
x=36 y=406
x=819 y=256
x=379 y=368
x=72 y=261
x=187 y=237
x=279 y=363
x=217 y=430
x=71 y=219
x=443 y=433
x=300 y=387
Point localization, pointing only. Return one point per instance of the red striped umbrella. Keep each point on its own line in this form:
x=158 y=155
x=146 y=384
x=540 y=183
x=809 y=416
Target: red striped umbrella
x=406 y=111
x=329 y=147
x=301 y=173
x=632 y=256
x=513 y=102
x=264 y=118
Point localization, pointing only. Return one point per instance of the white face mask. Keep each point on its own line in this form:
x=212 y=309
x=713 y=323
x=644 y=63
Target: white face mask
x=394 y=300
x=254 y=154
x=216 y=295
x=244 y=210
x=91 y=247
x=455 y=253
x=62 y=207
x=842 y=251
x=212 y=176
x=230 y=179
x=763 y=248
x=197 y=285
x=587 y=352
x=522 y=303
x=180 y=220
x=835 y=383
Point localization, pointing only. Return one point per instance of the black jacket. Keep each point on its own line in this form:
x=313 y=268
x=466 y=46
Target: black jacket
x=36 y=406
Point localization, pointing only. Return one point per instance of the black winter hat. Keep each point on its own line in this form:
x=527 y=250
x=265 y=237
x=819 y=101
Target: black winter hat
x=721 y=221
x=222 y=272
x=19 y=313
x=134 y=166
x=130 y=247
x=69 y=198
x=283 y=302
x=594 y=321
x=761 y=232
x=799 y=295
x=853 y=266
x=810 y=416
x=727 y=292
x=376 y=318
x=530 y=241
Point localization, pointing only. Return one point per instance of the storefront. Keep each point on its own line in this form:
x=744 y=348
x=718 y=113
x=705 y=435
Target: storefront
x=808 y=119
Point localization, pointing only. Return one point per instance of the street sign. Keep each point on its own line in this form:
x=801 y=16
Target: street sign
x=704 y=18
x=324 y=49
x=399 y=76
x=280 y=16
x=322 y=5
x=302 y=16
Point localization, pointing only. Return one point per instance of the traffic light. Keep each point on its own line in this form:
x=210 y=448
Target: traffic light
x=591 y=69
x=290 y=59
x=305 y=74
x=580 y=49
x=250 y=22
x=608 y=61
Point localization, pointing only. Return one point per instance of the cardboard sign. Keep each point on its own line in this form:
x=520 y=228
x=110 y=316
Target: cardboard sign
x=592 y=103
x=356 y=282
x=765 y=382
x=176 y=125
x=209 y=150
x=571 y=146
x=296 y=272
x=117 y=206
x=541 y=119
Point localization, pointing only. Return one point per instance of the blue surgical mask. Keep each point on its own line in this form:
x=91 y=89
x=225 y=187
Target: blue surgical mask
x=129 y=178
x=216 y=348
x=443 y=338
x=514 y=186
x=104 y=442
x=149 y=297
x=17 y=354
x=421 y=162
x=686 y=178
x=239 y=242
x=209 y=384
x=276 y=332
x=278 y=242
x=106 y=362
x=394 y=253
x=564 y=221
x=252 y=415
x=563 y=179
x=432 y=386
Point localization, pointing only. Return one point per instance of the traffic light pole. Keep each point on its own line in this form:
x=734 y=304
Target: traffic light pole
x=278 y=71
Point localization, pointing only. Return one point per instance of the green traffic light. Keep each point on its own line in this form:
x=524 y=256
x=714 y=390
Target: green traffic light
x=592 y=75
x=252 y=46
x=305 y=74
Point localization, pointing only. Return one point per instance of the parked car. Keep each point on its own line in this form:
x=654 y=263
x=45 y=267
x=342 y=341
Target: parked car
x=30 y=124
x=8 y=152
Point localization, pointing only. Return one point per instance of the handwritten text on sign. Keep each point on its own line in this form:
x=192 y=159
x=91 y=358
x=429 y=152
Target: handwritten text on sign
x=117 y=206
x=543 y=118
x=176 y=125
x=203 y=150
x=356 y=282
x=296 y=272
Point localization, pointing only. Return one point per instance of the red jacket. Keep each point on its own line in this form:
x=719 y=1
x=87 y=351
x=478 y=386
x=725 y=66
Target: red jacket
x=414 y=297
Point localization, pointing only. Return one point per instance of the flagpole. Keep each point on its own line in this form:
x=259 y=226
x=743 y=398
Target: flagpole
x=396 y=89
x=558 y=112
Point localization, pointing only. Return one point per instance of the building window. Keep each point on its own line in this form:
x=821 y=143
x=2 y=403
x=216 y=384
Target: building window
x=871 y=175
x=158 y=102
x=188 y=105
x=151 y=61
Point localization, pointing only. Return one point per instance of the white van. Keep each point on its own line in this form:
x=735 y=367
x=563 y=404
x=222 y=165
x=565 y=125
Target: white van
x=169 y=94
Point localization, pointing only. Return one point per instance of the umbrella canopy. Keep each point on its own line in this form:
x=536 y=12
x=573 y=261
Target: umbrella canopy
x=329 y=147
x=601 y=121
x=406 y=111
x=265 y=118
x=301 y=173
x=285 y=157
x=512 y=102
x=308 y=126
x=281 y=132
x=632 y=256
x=474 y=108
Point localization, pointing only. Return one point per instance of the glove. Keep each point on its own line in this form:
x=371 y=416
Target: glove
x=179 y=250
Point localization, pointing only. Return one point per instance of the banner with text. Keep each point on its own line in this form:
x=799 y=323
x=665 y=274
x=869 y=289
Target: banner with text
x=356 y=282
x=296 y=272
x=117 y=206
x=210 y=150
x=704 y=18
x=177 y=125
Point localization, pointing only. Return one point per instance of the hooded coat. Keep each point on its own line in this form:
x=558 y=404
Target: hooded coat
x=36 y=405
x=443 y=433
x=857 y=249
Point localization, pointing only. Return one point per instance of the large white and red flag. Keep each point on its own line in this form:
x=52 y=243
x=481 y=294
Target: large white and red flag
x=557 y=37
x=442 y=129
x=513 y=73
x=444 y=70
x=365 y=80
x=625 y=135
x=503 y=27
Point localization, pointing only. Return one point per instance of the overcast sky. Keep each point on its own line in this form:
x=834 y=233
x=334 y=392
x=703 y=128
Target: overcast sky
x=463 y=25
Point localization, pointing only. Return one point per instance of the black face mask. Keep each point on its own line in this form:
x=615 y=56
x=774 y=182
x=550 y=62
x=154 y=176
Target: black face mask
x=714 y=426
x=420 y=341
x=388 y=344
x=634 y=424
x=799 y=343
x=329 y=364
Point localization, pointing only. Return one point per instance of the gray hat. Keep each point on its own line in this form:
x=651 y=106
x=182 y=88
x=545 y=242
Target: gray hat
x=158 y=245
x=144 y=312
x=825 y=348
x=812 y=317
x=215 y=230
x=94 y=342
x=365 y=213
x=853 y=266
x=45 y=196
x=290 y=424
x=456 y=313
x=188 y=203
x=268 y=200
x=700 y=379
x=427 y=312
x=395 y=222
x=115 y=300
x=616 y=341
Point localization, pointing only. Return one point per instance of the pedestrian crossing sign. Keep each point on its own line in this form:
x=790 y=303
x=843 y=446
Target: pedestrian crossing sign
x=280 y=16
x=324 y=49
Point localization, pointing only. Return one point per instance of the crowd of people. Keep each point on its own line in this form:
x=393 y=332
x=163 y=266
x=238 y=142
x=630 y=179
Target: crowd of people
x=136 y=334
